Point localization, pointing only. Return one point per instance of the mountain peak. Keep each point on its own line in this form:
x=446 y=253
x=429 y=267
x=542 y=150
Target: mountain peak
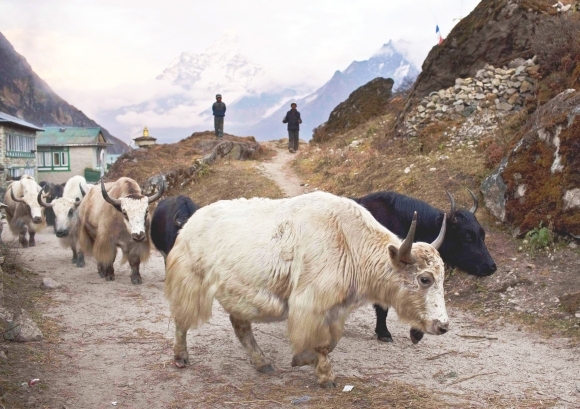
x=221 y=67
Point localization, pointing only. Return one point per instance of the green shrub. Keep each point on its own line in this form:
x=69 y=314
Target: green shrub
x=539 y=238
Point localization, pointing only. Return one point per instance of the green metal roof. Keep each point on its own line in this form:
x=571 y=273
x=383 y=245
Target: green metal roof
x=71 y=136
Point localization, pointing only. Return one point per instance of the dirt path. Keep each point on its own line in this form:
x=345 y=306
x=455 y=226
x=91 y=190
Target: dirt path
x=118 y=341
x=278 y=169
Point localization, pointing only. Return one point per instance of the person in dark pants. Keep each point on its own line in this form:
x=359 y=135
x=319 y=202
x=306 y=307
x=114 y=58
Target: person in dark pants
x=219 y=112
x=293 y=120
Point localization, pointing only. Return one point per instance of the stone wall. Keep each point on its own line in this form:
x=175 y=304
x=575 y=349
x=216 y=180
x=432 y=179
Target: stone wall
x=497 y=89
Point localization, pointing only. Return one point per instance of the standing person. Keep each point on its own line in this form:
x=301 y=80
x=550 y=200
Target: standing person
x=293 y=120
x=219 y=111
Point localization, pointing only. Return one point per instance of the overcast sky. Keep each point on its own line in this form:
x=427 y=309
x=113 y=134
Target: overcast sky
x=88 y=48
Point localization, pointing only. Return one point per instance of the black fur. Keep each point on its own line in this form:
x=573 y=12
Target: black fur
x=163 y=229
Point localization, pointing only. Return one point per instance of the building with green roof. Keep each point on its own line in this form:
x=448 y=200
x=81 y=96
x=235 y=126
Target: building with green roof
x=64 y=152
x=17 y=148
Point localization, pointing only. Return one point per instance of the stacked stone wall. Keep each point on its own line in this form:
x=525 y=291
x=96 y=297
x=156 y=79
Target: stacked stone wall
x=493 y=89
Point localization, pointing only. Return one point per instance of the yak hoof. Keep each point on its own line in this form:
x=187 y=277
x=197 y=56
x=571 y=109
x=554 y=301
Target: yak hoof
x=136 y=280
x=80 y=264
x=24 y=244
x=416 y=336
x=101 y=274
x=181 y=363
x=328 y=385
x=385 y=338
x=266 y=369
x=110 y=278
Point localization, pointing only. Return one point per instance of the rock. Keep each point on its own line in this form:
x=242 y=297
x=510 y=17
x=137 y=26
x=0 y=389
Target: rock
x=50 y=284
x=514 y=99
x=22 y=329
x=504 y=106
x=573 y=246
x=526 y=86
x=3 y=356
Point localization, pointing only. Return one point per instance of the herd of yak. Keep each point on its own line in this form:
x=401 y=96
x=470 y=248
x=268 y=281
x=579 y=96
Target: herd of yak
x=310 y=260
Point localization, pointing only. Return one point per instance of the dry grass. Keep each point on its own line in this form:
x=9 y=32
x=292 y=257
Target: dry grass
x=379 y=164
x=24 y=361
x=368 y=392
x=229 y=180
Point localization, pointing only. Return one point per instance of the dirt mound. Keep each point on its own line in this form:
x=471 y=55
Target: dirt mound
x=142 y=164
x=366 y=102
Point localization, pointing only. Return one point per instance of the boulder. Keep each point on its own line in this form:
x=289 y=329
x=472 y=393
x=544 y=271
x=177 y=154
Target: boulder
x=538 y=181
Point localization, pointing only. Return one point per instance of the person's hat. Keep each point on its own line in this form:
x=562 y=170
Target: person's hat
x=218 y=96
x=293 y=103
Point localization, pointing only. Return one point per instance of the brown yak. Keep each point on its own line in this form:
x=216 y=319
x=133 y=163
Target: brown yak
x=116 y=216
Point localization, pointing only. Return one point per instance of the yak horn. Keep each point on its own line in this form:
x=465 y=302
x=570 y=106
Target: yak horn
x=176 y=222
x=40 y=202
x=452 y=201
x=439 y=240
x=114 y=202
x=159 y=192
x=475 y=203
x=405 y=249
x=14 y=197
x=83 y=193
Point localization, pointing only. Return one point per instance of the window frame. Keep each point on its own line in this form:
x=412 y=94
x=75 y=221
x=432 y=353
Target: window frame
x=20 y=146
x=63 y=153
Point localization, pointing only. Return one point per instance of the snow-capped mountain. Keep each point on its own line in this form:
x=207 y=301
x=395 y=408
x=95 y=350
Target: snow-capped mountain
x=315 y=108
x=220 y=67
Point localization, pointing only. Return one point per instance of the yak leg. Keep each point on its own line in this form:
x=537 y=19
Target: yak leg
x=75 y=255
x=416 y=335
x=134 y=262
x=80 y=259
x=101 y=269
x=323 y=368
x=32 y=242
x=381 y=329
x=23 y=230
x=107 y=272
x=180 y=348
x=243 y=330
x=308 y=357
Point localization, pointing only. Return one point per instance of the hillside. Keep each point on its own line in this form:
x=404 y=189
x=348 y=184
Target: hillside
x=25 y=95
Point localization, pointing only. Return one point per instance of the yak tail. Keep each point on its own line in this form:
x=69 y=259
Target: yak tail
x=189 y=289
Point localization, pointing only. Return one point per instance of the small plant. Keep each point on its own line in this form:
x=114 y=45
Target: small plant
x=539 y=238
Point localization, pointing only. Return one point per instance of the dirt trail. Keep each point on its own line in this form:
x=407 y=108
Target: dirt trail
x=118 y=339
x=278 y=169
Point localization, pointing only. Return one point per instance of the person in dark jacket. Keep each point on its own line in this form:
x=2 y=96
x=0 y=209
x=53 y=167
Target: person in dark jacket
x=219 y=112
x=293 y=120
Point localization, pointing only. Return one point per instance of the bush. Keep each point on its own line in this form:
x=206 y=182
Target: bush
x=539 y=238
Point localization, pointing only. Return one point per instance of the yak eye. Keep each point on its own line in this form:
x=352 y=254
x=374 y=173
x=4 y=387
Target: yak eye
x=425 y=281
x=70 y=212
x=469 y=238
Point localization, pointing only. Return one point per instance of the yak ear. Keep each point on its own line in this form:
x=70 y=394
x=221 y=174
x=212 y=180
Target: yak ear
x=394 y=255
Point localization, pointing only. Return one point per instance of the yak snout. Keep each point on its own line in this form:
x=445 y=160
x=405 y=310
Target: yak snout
x=62 y=233
x=138 y=236
x=37 y=220
x=439 y=327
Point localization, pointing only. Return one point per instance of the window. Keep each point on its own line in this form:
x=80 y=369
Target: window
x=53 y=159
x=16 y=172
x=20 y=146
